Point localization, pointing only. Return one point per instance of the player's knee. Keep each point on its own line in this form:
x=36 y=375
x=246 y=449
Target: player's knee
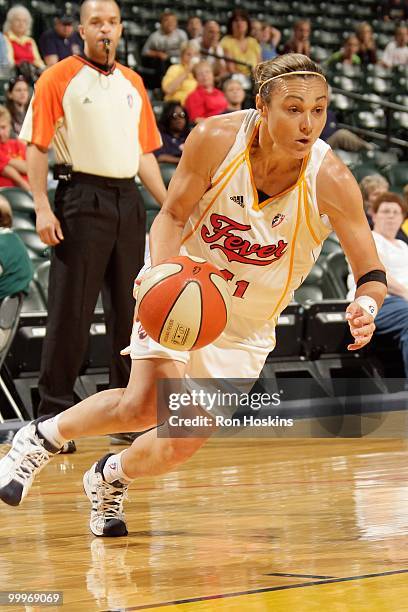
x=137 y=412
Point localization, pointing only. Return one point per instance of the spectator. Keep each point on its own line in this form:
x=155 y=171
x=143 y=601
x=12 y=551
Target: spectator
x=13 y=165
x=268 y=38
x=300 y=40
x=234 y=94
x=371 y=187
x=99 y=114
x=396 y=10
x=396 y=52
x=173 y=125
x=194 y=27
x=238 y=45
x=166 y=41
x=16 y=270
x=367 y=50
x=206 y=100
x=348 y=54
x=61 y=41
x=18 y=99
x=179 y=80
x=341 y=138
x=404 y=226
x=6 y=56
x=210 y=44
x=389 y=211
x=17 y=28
x=160 y=47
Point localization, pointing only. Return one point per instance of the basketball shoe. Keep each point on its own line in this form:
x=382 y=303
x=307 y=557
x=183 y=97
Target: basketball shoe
x=28 y=455
x=107 y=516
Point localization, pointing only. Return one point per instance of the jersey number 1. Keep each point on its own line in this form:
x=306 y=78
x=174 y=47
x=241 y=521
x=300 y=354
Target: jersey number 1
x=241 y=285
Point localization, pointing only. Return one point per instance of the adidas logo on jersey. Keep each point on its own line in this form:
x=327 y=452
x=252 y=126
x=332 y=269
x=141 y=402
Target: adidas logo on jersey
x=87 y=101
x=238 y=200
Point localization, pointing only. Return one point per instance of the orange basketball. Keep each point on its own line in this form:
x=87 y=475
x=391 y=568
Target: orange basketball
x=184 y=303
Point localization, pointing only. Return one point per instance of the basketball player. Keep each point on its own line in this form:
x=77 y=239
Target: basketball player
x=256 y=193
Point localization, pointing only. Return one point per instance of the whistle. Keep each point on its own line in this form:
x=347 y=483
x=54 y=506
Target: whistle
x=106 y=43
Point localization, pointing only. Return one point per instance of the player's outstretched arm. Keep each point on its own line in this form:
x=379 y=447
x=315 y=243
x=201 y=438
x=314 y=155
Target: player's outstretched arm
x=204 y=150
x=339 y=197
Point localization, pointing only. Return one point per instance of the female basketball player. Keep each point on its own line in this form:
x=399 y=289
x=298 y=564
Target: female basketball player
x=248 y=180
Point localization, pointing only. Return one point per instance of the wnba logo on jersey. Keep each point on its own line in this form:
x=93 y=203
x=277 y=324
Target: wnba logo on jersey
x=224 y=236
x=277 y=220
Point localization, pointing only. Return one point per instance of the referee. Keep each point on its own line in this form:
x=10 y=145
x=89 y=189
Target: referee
x=98 y=117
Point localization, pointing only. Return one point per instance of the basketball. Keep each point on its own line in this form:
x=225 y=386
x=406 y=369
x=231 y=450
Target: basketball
x=184 y=303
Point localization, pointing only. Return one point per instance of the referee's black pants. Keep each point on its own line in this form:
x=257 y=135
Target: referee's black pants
x=104 y=223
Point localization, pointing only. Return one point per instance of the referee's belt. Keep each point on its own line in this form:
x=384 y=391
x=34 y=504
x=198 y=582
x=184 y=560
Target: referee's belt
x=101 y=181
x=65 y=173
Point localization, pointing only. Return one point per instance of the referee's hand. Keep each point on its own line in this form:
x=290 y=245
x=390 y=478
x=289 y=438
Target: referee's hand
x=48 y=227
x=361 y=325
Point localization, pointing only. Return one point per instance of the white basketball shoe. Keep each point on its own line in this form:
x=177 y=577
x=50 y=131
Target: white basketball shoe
x=107 y=516
x=28 y=455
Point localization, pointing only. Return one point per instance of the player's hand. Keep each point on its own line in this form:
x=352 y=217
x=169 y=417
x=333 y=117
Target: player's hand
x=48 y=227
x=361 y=325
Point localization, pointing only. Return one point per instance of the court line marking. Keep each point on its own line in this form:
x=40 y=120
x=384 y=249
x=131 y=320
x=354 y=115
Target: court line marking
x=261 y=590
x=299 y=576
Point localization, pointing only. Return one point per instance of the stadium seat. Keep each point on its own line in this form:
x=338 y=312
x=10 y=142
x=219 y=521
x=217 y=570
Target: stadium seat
x=397 y=175
x=307 y=293
x=22 y=222
x=361 y=170
x=34 y=302
x=41 y=277
x=10 y=309
x=34 y=243
x=167 y=171
x=151 y=206
x=20 y=200
x=337 y=271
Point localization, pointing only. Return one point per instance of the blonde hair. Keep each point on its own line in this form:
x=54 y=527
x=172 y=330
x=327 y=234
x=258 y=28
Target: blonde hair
x=18 y=8
x=283 y=65
x=5 y=114
x=371 y=182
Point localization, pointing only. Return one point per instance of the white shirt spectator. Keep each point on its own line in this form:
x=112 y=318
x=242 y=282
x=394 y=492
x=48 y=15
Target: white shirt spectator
x=169 y=43
x=394 y=55
x=394 y=256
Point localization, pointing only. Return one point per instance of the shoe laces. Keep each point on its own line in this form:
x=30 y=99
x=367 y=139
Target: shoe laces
x=32 y=462
x=111 y=499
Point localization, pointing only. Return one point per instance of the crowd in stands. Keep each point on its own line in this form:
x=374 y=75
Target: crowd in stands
x=197 y=71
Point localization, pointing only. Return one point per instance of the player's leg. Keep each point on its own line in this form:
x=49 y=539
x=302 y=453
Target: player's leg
x=160 y=451
x=113 y=410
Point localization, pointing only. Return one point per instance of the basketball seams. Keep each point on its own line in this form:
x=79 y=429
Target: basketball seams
x=201 y=313
x=184 y=308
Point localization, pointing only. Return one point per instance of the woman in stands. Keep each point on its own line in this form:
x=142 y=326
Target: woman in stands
x=179 y=80
x=173 y=126
x=18 y=99
x=17 y=28
x=368 y=49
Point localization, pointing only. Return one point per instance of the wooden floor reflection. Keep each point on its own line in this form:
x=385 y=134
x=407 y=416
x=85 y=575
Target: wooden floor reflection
x=257 y=525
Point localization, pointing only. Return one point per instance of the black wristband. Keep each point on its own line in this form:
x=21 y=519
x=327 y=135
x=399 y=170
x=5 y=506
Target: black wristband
x=374 y=275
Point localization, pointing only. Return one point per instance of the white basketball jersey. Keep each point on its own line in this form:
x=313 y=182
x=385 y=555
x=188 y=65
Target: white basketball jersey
x=266 y=249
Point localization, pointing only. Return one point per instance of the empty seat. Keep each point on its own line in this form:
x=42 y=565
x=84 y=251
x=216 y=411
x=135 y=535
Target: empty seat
x=397 y=175
x=19 y=200
x=41 y=278
x=34 y=243
x=167 y=171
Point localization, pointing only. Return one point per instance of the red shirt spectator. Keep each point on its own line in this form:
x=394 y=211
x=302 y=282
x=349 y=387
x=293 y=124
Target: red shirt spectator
x=13 y=165
x=206 y=100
